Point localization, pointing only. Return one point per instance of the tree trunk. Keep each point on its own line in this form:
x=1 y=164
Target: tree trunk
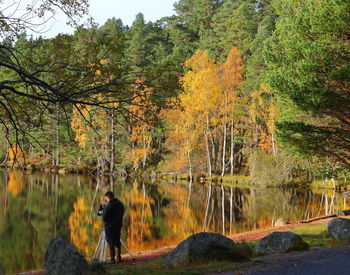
x=274 y=145
x=224 y=140
x=97 y=153
x=206 y=133
x=112 y=160
x=232 y=148
x=207 y=208
x=213 y=148
x=231 y=210
x=189 y=162
x=223 y=208
x=56 y=153
x=145 y=154
x=224 y=151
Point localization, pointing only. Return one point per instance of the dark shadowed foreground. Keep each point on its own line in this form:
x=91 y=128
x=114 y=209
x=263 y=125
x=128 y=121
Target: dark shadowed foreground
x=320 y=261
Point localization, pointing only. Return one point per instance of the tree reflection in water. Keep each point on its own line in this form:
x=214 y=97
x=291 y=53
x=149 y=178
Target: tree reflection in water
x=38 y=207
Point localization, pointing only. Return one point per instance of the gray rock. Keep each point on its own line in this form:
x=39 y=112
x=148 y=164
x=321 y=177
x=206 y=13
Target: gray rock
x=343 y=213
x=202 y=247
x=62 y=258
x=280 y=242
x=339 y=229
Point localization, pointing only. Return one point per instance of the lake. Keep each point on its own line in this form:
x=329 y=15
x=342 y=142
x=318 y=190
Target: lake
x=37 y=207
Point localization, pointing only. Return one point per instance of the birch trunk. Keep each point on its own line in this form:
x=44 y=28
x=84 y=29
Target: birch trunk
x=224 y=140
x=223 y=208
x=56 y=154
x=206 y=133
x=189 y=161
x=112 y=160
x=231 y=210
x=232 y=147
x=145 y=153
x=224 y=151
x=207 y=208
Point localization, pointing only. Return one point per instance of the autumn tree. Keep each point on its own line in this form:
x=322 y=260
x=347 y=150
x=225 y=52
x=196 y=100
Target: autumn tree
x=264 y=114
x=231 y=77
x=201 y=97
x=208 y=108
x=142 y=124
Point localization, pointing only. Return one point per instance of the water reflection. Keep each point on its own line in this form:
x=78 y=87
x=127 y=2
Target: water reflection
x=34 y=208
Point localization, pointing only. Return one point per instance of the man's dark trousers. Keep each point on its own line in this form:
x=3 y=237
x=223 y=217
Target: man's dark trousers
x=114 y=243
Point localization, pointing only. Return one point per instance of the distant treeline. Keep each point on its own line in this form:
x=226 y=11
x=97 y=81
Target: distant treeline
x=221 y=87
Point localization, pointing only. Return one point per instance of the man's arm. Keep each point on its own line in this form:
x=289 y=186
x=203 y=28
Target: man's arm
x=106 y=217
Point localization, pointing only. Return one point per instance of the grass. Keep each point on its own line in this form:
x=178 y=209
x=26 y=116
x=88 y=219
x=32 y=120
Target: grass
x=155 y=267
x=234 y=259
x=313 y=235
x=236 y=179
x=317 y=235
x=329 y=184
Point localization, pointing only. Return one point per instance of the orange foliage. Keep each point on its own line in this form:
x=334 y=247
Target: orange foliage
x=15 y=182
x=85 y=230
x=207 y=103
x=16 y=155
x=140 y=215
x=180 y=218
x=142 y=110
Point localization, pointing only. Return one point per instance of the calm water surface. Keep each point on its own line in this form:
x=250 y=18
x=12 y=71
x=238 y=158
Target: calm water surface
x=35 y=208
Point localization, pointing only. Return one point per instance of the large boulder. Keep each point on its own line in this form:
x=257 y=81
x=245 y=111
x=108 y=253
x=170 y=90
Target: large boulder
x=203 y=247
x=62 y=258
x=280 y=242
x=339 y=229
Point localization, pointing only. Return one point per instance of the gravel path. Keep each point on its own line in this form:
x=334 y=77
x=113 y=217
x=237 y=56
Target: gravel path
x=318 y=261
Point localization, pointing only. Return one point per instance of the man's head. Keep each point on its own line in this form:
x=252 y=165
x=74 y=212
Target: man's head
x=109 y=195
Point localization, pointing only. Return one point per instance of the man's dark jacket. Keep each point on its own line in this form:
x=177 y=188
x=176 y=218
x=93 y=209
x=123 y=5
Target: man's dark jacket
x=113 y=219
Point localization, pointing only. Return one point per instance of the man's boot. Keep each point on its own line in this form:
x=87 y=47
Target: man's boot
x=111 y=261
x=119 y=259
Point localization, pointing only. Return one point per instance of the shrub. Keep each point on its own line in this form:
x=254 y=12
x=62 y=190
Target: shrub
x=271 y=169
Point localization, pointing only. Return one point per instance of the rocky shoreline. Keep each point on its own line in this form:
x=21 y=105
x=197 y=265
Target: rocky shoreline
x=244 y=237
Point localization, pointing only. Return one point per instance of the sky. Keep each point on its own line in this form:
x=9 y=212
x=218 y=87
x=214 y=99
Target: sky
x=101 y=10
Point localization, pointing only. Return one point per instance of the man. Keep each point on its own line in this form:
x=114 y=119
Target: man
x=113 y=222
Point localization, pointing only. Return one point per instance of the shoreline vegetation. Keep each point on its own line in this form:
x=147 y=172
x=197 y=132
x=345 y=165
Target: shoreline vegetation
x=237 y=180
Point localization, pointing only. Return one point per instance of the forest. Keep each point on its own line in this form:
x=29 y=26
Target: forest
x=220 y=88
